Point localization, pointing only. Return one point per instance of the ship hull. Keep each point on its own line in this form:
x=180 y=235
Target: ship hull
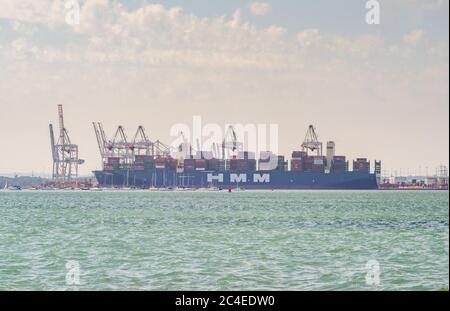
x=258 y=180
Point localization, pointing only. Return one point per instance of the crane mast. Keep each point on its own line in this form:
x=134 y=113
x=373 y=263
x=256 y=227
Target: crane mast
x=311 y=142
x=64 y=153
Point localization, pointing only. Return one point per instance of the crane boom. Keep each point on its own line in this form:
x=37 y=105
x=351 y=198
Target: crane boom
x=311 y=141
x=52 y=142
x=100 y=142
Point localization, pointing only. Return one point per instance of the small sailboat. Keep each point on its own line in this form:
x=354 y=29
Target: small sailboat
x=15 y=188
x=11 y=188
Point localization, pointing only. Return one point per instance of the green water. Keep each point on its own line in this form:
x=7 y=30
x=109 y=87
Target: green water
x=305 y=240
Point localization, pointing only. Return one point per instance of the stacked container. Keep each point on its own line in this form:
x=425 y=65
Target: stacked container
x=298 y=154
x=112 y=163
x=189 y=165
x=251 y=164
x=172 y=164
x=160 y=163
x=339 y=164
x=282 y=165
x=146 y=161
x=241 y=165
x=308 y=163
x=200 y=165
x=222 y=165
x=138 y=167
x=297 y=161
x=319 y=164
x=361 y=165
x=232 y=164
x=213 y=164
x=296 y=165
x=314 y=164
x=108 y=167
x=143 y=158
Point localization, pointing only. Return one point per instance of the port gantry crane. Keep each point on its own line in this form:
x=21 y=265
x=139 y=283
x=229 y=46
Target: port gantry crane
x=121 y=148
x=64 y=153
x=311 y=141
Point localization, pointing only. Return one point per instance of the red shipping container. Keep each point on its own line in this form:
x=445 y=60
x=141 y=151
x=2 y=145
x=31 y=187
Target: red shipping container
x=296 y=165
x=112 y=160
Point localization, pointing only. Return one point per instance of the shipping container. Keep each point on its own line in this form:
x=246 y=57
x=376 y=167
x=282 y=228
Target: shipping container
x=296 y=165
x=319 y=160
x=222 y=165
x=108 y=167
x=251 y=163
x=233 y=164
x=189 y=168
x=143 y=158
x=213 y=164
x=172 y=164
x=314 y=164
x=339 y=158
x=149 y=165
x=112 y=160
x=200 y=165
x=339 y=164
x=298 y=154
x=361 y=165
x=318 y=168
x=160 y=163
x=189 y=165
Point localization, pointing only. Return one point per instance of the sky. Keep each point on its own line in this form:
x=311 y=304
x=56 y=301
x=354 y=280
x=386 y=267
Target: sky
x=378 y=90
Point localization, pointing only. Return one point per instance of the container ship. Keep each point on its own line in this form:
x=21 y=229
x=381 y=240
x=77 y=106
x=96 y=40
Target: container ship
x=142 y=163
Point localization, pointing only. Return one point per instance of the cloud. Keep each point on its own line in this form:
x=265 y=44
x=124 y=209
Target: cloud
x=414 y=37
x=260 y=8
x=153 y=57
x=154 y=35
x=276 y=31
x=49 y=12
x=308 y=37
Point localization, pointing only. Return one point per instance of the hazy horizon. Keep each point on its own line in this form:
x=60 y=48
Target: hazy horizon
x=378 y=91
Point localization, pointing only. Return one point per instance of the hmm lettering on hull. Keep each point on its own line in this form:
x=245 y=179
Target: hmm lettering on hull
x=240 y=178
